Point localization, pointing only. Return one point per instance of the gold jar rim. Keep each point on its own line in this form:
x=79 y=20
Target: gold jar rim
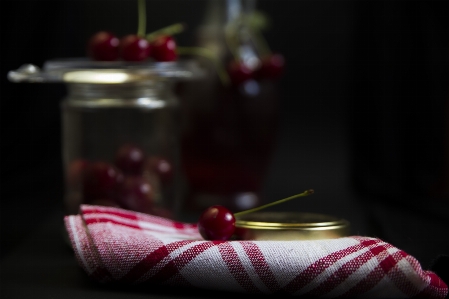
x=290 y=226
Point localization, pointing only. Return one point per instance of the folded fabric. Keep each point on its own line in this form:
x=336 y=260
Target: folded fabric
x=115 y=245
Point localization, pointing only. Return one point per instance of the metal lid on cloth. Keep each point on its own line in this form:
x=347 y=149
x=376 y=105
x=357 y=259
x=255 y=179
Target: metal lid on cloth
x=290 y=226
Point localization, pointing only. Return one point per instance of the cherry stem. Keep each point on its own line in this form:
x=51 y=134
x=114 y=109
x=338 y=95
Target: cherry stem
x=142 y=21
x=222 y=74
x=305 y=193
x=169 y=30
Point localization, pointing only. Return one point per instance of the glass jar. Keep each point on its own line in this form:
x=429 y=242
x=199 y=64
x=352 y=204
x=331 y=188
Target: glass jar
x=120 y=146
x=120 y=137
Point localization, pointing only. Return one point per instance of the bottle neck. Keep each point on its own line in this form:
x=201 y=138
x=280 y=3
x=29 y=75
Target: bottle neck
x=225 y=31
x=236 y=8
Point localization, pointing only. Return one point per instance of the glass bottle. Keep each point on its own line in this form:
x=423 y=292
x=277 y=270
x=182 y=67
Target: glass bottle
x=229 y=132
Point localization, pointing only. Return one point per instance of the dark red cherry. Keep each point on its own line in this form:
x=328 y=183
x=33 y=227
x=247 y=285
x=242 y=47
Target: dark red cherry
x=137 y=194
x=216 y=223
x=101 y=180
x=134 y=48
x=238 y=72
x=163 y=48
x=130 y=159
x=103 y=46
x=162 y=167
x=272 y=67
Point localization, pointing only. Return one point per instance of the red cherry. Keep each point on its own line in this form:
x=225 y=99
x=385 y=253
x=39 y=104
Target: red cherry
x=75 y=173
x=272 y=67
x=134 y=48
x=103 y=46
x=216 y=223
x=130 y=159
x=161 y=167
x=238 y=72
x=101 y=180
x=137 y=194
x=163 y=48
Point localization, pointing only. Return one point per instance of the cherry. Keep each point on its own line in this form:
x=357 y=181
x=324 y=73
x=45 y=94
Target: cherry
x=137 y=194
x=130 y=159
x=216 y=223
x=239 y=72
x=161 y=167
x=103 y=46
x=101 y=180
x=272 y=67
x=134 y=48
x=163 y=48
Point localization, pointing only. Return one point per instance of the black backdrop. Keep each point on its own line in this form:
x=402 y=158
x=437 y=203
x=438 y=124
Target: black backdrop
x=364 y=106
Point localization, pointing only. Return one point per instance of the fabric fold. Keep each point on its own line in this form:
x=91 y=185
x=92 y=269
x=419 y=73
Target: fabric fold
x=115 y=245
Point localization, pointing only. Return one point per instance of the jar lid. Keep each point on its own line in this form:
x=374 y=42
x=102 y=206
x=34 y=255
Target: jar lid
x=83 y=70
x=290 y=226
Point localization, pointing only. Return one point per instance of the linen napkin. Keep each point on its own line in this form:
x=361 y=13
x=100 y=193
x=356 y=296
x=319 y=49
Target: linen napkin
x=116 y=245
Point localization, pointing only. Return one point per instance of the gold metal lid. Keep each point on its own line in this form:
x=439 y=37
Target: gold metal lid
x=82 y=70
x=290 y=226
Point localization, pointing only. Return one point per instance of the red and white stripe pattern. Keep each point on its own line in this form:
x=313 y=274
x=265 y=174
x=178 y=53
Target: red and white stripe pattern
x=122 y=246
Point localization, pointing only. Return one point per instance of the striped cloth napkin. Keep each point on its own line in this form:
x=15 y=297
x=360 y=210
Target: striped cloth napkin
x=115 y=245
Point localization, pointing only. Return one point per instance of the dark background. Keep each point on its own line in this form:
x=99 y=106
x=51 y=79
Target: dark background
x=364 y=109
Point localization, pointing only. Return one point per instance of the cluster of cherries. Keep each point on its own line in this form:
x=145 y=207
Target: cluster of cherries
x=132 y=182
x=271 y=67
x=105 y=46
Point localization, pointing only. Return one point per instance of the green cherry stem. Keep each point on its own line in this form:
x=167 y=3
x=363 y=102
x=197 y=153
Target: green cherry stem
x=222 y=74
x=305 y=193
x=142 y=21
x=169 y=30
